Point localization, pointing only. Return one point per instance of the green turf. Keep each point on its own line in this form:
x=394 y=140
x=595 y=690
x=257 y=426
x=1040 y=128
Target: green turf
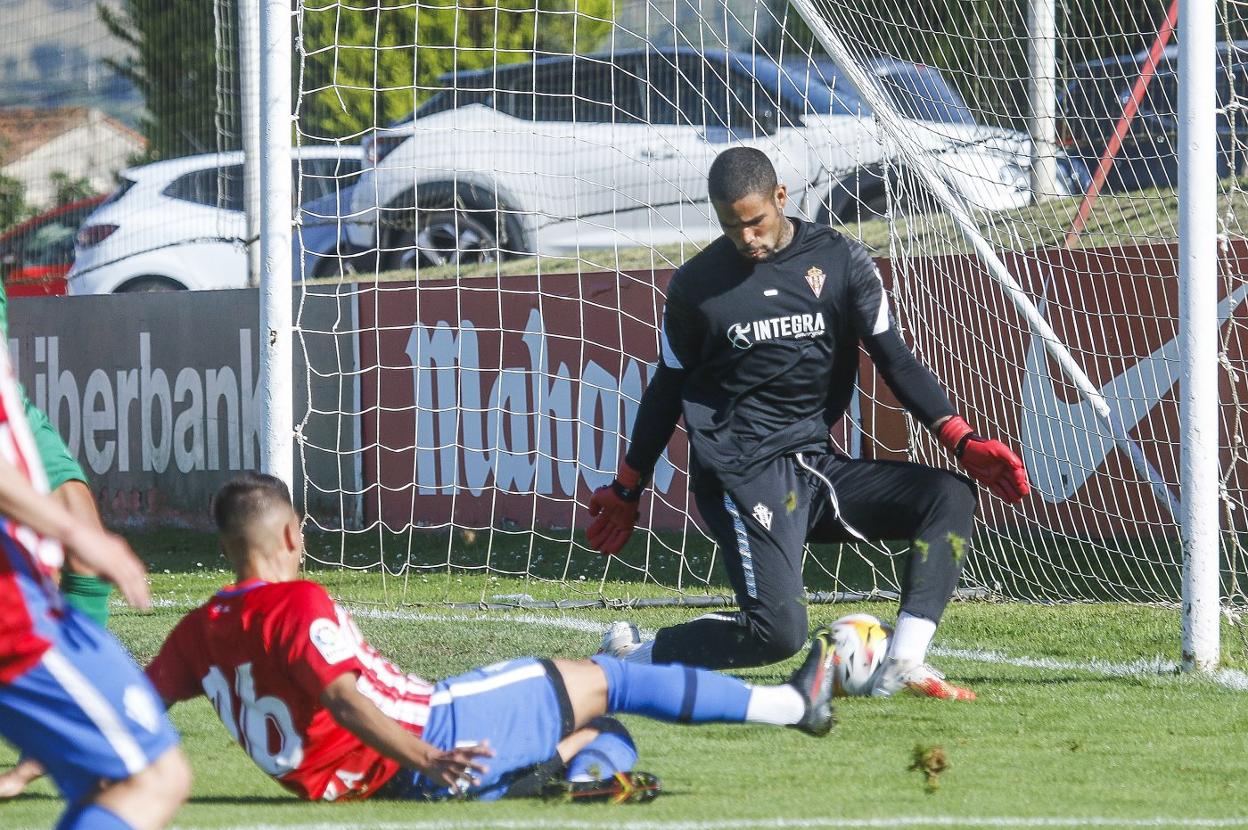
x=1073 y=742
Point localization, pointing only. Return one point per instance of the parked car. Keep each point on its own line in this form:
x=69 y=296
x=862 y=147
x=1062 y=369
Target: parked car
x=35 y=256
x=1092 y=104
x=920 y=93
x=179 y=224
x=574 y=152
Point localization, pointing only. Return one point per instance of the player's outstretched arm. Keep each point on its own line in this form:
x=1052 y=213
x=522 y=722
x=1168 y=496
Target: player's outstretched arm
x=615 y=506
x=101 y=551
x=988 y=461
x=357 y=714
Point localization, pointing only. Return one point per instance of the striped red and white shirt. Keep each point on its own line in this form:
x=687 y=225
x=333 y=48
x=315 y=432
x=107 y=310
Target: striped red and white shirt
x=30 y=605
x=263 y=653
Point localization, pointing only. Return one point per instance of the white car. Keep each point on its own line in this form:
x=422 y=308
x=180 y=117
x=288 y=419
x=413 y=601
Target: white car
x=566 y=153
x=179 y=224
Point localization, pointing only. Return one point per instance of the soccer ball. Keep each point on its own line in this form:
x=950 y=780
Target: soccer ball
x=859 y=643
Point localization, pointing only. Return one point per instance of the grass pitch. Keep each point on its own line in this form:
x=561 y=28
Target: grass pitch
x=1081 y=721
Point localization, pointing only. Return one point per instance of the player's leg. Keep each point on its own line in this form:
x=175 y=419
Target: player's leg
x=82 y=589
x=525 y=707
x=87 y=714
x=932 y=509
x=684 y=694
x=761 y=529
x=68 y=482
x=602 y=770
x=147 y=800
x=13 y=781
x=605 y=747
x=594 y=763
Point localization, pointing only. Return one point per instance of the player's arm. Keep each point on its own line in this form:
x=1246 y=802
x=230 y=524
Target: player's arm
x=989 y=462
x=615 y=506
x=170 y=673
x=101 y=551
x=359 y=716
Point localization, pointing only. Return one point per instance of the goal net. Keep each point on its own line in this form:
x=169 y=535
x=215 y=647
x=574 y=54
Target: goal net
x=473 y=349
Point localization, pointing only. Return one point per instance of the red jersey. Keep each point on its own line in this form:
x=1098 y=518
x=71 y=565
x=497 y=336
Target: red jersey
x=30 y=605
x=263 y=653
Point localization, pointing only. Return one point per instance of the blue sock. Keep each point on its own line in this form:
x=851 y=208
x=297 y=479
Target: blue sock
x=611 y=752
x=673 y=692
x=91 y=817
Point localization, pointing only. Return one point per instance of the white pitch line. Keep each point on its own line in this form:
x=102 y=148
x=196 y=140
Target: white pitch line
x=1228 y=678
x=768 y=824
x=1145 y=667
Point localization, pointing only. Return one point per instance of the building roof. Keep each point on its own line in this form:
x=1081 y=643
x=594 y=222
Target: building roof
x=25 y=129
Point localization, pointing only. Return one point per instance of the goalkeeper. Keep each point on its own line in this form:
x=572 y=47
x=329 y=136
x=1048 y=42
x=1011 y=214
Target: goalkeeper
x=759 y=351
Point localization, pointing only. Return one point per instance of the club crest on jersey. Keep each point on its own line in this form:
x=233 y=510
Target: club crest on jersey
x=762 y=514
x=815 y=278
x=795 y=326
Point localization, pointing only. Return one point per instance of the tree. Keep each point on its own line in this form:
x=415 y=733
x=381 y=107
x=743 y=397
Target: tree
x=13 y=208
x=371 y=66
x=67 y=190
x=173 y=62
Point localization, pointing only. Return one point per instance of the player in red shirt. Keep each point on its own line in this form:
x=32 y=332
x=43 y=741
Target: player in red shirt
x=320 y=710
x=70 y=696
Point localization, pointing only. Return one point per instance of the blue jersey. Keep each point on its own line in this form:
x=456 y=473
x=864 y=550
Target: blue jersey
x=70 y=695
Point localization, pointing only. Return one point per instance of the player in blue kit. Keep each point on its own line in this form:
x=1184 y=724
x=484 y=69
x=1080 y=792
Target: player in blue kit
x=70 y=696
x=331 y=719
x=347 y=723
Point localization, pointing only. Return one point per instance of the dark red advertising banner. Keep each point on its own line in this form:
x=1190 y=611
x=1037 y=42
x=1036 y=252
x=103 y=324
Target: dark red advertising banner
x=501 y=402
x=505 y=401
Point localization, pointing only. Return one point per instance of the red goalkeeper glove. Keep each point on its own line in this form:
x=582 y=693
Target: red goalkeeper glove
x=615 y=509
x=989 y=462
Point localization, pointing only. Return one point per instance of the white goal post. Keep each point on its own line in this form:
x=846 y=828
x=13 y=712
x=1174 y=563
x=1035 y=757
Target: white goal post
x=1198 y=333
x=463 y=363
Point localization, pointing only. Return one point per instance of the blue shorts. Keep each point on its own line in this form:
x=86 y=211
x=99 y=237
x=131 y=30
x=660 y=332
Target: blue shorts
x=85 y=710
x=520 y=706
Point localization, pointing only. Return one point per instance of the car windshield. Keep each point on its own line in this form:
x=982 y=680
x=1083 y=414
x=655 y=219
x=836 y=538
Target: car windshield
x=920 y=92
x=799 y=86
x=1101 y=89
x=51 y=243
x=843 y=98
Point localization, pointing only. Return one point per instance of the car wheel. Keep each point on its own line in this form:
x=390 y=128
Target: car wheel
x=874 y=205
x=448 y=226
x=336 y=267
x=149 y=284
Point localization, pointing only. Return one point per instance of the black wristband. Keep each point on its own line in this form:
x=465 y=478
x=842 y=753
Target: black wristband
x=627 y=493
x=961 y=447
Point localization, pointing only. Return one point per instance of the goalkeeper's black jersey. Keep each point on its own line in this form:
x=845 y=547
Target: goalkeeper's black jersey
x=762 y=357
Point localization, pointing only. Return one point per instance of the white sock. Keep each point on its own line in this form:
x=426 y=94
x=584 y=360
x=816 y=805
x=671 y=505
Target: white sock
x=911 y=638
x=779 y=705
x=641 y=654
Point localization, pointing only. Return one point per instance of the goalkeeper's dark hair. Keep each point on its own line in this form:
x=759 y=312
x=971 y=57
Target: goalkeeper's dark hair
x=242 y=500
x=739 y=172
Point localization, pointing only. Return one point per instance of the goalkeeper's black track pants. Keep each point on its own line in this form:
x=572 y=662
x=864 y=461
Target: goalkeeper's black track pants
x=761 y=527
